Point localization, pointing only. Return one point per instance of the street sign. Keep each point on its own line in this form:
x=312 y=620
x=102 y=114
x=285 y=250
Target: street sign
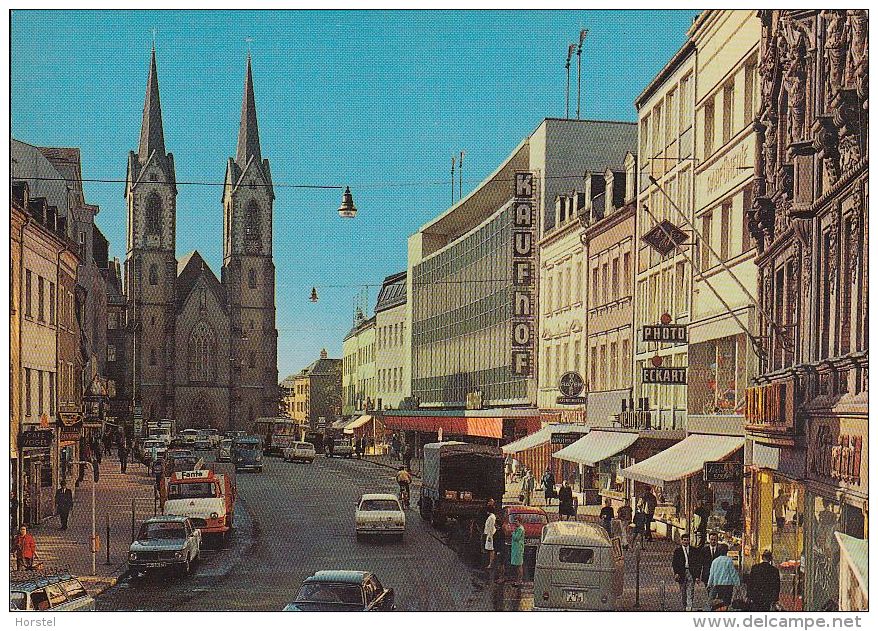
x=571 y=384
x=571 y=400
x=37 y=439
x=723 y=471
x=665 y=237
x=670 y=333
x=664 y=376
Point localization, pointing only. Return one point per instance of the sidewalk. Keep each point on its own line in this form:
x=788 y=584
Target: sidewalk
x=390 y=462
x=71 y=549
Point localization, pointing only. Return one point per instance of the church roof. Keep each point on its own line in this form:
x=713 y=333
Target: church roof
x=189 y=269
x=248 y=132
x=152 y=136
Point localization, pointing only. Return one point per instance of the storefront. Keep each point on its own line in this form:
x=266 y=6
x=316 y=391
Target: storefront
x=600 y=456
x=677 y=475
x=836 y=502
x=534 y=451
x=853 y=578
x=69 y=433
x=37 y=475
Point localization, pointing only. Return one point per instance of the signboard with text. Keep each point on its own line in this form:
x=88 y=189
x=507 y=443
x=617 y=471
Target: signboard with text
x=523 y=274
x=664 y=376
x=723 y=471
x=37 y=439
x=666 y=333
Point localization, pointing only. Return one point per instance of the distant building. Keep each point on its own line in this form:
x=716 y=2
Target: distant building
x=358 y=373
x=313 y=396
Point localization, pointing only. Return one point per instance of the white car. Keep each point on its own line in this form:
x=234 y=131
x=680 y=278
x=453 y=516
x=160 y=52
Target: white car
x=303 y=452
x=379 y=514
x=151 y=446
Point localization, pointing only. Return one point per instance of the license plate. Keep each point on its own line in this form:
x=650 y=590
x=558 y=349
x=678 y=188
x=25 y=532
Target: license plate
x=571 y=596
x=153 y=564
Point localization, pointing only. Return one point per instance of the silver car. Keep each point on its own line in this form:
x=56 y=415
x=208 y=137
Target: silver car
x=168 y=541
x=37 y=591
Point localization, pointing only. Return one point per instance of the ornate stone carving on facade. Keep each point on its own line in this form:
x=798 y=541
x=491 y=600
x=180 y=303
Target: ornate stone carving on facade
x=835 y=49
x=795 y=80
x=857 y=55
x=761 y=222
x=826 y=144
x=796 y=261
x=832 y=254
x=854 y=243
x=770 y=148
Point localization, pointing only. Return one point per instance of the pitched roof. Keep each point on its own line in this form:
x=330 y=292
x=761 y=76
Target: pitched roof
x=43 y=179
x=152 y=136
x=189 y=269
x=323 y=367
x=248 y=132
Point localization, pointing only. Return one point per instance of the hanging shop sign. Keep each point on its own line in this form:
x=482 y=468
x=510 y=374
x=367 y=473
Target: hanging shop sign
x=36 y=439
x=667 y=333
x=523 y=274
x=70 y=434
x=565 y=438
x=665 y=237
x=663 y=376
x=723 y=471
x=571 y=384
x=837 y=457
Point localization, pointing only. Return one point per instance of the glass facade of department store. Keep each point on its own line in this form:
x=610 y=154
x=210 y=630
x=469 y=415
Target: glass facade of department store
x=462 y=314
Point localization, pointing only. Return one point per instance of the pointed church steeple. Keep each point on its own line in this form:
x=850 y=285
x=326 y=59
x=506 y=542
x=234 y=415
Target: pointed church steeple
x=152 y=137
x=248 y=132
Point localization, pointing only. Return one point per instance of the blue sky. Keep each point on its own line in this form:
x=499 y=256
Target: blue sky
x=377 y=100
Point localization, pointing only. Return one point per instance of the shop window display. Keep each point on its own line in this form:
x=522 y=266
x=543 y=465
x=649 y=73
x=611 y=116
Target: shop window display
x=788 y=509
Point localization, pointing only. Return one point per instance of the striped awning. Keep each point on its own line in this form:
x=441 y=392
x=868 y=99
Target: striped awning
x=357 y=422
x=542 y=435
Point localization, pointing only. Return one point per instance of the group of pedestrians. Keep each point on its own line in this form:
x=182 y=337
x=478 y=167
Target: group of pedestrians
x=499 y=553
x=711 y=565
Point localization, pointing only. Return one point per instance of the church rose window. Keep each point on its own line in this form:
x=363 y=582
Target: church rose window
x=201 y=352
x=153 y=214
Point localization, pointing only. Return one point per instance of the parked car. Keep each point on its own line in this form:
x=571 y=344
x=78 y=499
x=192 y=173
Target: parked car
x=33 y=590
x=247 y=453
x=533 y=519
x=342 y=590
x=203 y=440
x=299 y=452
x=379 y=514
x=340 y=448
x=167 y=541
x=180 y=461
x=189 y=436
x=224 y=451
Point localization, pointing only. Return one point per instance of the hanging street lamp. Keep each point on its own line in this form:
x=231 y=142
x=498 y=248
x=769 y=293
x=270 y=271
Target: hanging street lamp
x=347 y=209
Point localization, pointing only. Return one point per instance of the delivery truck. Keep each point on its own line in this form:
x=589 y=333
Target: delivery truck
x=205 y=496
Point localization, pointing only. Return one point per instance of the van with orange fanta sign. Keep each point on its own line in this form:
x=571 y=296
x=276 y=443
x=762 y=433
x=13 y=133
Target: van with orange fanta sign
x=205 y=496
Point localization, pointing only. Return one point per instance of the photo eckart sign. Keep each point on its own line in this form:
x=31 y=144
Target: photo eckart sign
x=523 y=274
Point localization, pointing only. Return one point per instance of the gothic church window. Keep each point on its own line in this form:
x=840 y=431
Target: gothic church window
x=201 y=352
x=251 y=279
x=153 y=214
x=153 y=274
x=251 y=226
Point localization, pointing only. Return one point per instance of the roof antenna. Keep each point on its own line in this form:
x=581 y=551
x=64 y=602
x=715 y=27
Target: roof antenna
x=249 y=41
x=582 y=34
x=153 y=39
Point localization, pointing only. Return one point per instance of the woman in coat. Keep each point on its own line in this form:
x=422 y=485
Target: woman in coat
x=566 y=507
x=516 y=554
x=549 y=485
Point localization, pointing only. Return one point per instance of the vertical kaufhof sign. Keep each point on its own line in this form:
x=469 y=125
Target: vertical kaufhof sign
x=523 y=276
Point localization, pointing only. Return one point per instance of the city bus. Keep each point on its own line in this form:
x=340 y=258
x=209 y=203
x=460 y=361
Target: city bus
x=277 y=433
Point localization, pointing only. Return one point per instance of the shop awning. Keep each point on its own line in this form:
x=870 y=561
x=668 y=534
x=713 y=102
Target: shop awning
x=855 y=553
x=541 y=436
x=596 y=446
x=683 y=459
x=358 y=422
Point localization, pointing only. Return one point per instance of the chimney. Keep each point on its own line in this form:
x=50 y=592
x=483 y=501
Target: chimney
x=324 y=354
x=630 y=178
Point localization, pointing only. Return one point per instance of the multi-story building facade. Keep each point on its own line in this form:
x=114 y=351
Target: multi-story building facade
x=48 y=365
x=807 y=415
x=313 y=397
x=117 y=360
x=392 y=357
x=358 y=367
x=663 y=283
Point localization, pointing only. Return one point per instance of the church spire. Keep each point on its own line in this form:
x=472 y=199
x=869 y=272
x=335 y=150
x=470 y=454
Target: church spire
x=152 y=137
x=248 y=132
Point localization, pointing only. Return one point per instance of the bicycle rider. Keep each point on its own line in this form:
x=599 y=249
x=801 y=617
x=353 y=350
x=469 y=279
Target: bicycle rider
x=404 y=480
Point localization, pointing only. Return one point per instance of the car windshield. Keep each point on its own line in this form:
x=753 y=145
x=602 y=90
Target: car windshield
x=247 y=446
x=162 y=530
x=226 y=444
x=330 y=593
x=379 y=505
x=527 y=518
x=191 y=490
x=18 y=600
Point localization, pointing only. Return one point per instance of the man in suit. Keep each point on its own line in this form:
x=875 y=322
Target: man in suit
x=708 y=553
x=686 y=565
x=763 y=586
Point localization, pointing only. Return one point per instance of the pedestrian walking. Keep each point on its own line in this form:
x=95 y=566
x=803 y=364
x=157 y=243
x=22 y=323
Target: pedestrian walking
x=108 y=442
x=708 y=553
x=626 y=516
x=96 y=452
x=84 y=456
x=364 y=443
x=407 y=457
x=394 y=446
x=508 y=464
x=686 y=565
x=763 y=584
x=527 y=487
x=123 y=457
x=780 y=510
x=501 y=548
x=96 y=468
x=607 y=515
x=723 y=578
x=701 y=515
x=516 y=554
x=566 y=506
x=24 y=546
x=63 y=503
x=650 y=501
x=488 y=531
x=549 y=486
